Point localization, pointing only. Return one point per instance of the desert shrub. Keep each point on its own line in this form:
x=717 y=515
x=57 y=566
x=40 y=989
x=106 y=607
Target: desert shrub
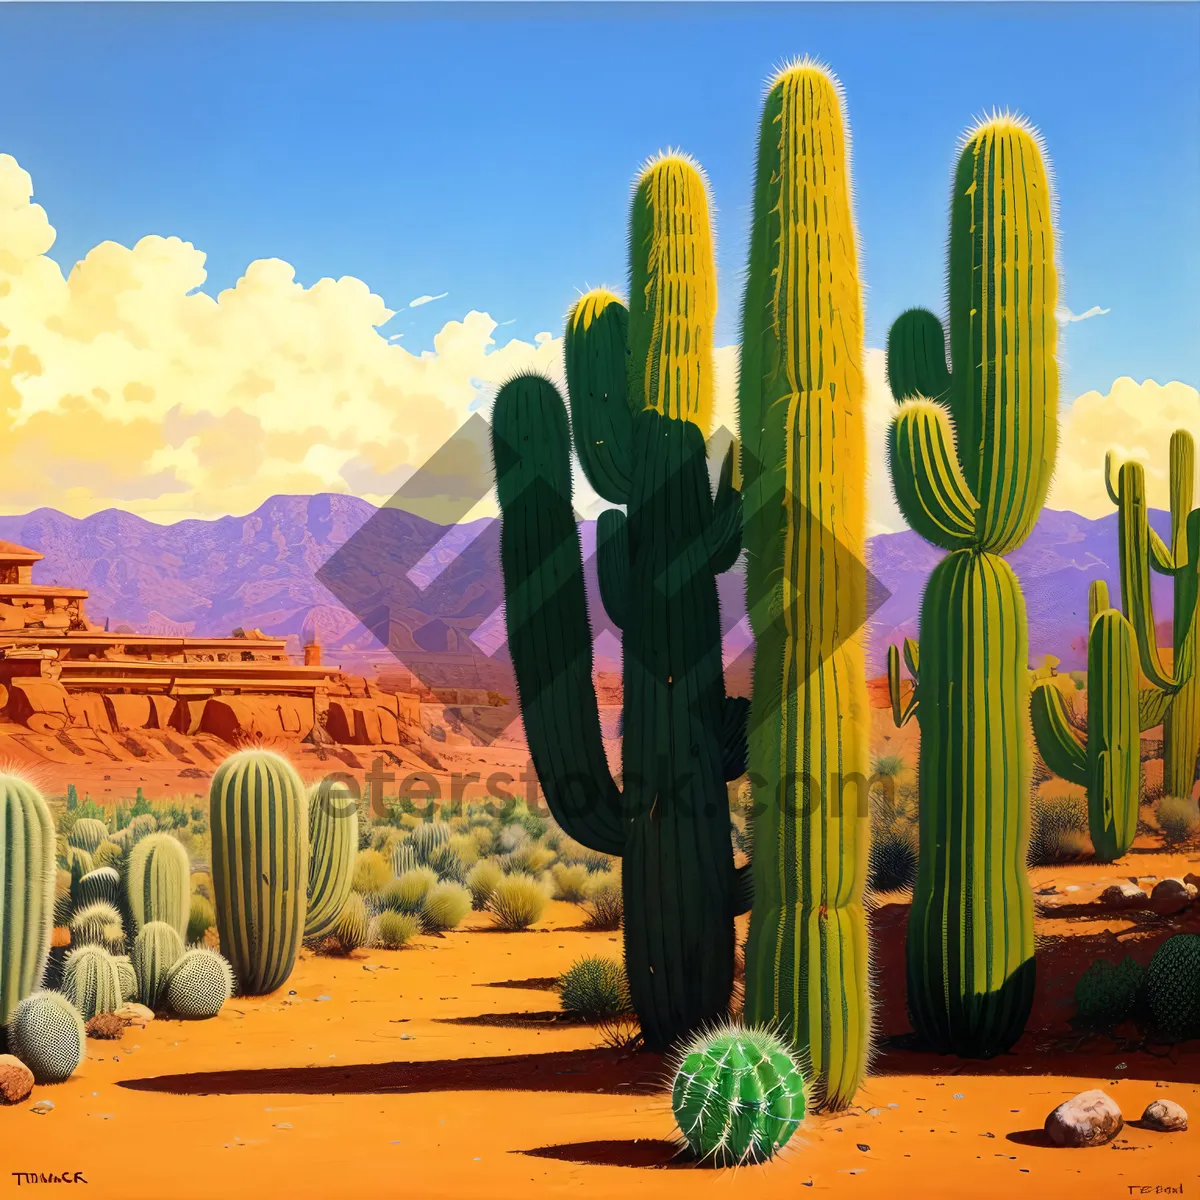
x=448 y=865
x=391 y=930
x=1178 y=819
x=595 y=989
x=467 y=849
x=517 y=901
x=405 y=895
x=604 y=902
x=570 y=882
x=1106 y=991
x=353 y=924
x=510 y=837
x=1058 y=824
x=202 y=884
x=428 y=837
x=529 y=858
x=888 y=765
x=571 y=852
x=481 y=882
x=371 y=873
x=533 y=824
x=483 y=837
x=444 y=906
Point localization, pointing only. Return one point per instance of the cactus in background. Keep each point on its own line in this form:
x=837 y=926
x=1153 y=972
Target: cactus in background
x=201 y=918
x=98 y=924
x=198 y=984
x=143 y=825
x=79 y=863
x=801 y=421
x=27 y=879
x=103 y=884
x=157 y=948
x=971 y=455
x=353 y=923
x=1173 y=985
x=427 y=838
x=332 y=850
x=1108 y=761
x=1106 y=992
x=108 y=854
x=127 y=977
x=46 y=1033
x=157 y=881
x=1142 y=550
x=640 y=439
x=91 y=981
x=738 y=1096
x=87 y=833
x=260 y=866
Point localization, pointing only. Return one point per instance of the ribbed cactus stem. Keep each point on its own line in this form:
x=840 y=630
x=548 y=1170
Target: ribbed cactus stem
x=27 y=876
x=157 y=882
x=801 y=415
x=1181 y=728
x=258 y=814
x=332 y=850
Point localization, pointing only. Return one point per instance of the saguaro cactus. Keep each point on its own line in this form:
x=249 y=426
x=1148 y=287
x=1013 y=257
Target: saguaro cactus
x=259 y=822
x=1108 y=761
x=26 y=890
x=801 y=420
x=640 y=438
x=971 y=456
x=1142 y=550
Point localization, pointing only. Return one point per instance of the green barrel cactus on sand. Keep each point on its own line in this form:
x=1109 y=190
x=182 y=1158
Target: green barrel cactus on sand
x=801 y=415
x=157 y=882
x=971 y=454
x=1177 y=702
x=156 y=949
x=46 y=1033
x=641 y=391
x=198 y=984
x=91 y=981
x=27 y=878
x=257 y=812
x=738 y=1096
x=332 y=850
x=1108 y=761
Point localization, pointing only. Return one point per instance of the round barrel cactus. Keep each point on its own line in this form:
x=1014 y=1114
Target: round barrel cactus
x=257 y=811
x=46 y=1033
x=27 y=878
x=1173 y=985
x=98 y=924
x=156 y=950
x=738 y=1096
x=92 y=982
x=157 y=882
x=87 y=833
x=332 y=849
x=199 y=984
x=100 y=884
x=1107 y=991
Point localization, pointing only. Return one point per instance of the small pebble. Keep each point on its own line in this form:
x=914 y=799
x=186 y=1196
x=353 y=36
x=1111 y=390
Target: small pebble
x=283 y=1125
x=42 y=1107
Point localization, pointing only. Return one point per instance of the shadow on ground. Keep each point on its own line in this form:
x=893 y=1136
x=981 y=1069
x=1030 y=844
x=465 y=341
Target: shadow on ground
x=632 y=1152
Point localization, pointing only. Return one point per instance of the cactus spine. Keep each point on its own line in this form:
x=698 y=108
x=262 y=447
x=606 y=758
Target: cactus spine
x=1108 y=761
x=640 y=438
x=27 y=877
x=332 y=850
x=260 y=866
x=157 y=882
x=971 y=457
x=801 y=420
x=1142 y=550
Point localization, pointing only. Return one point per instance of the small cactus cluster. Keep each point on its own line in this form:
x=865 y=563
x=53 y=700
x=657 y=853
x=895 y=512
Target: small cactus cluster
x=1107 y=992
x=738 y=1096
x=595 y=989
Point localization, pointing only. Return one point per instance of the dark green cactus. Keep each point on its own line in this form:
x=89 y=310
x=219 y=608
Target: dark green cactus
x=257 y=811
x=27 y=878
x=640 y=437
x=157 y=882
x=1173 y=985
x=46 y=1033
x=1108 y=761
x=1106 y=992
x=198 y=985
x=971 y=453
x=332 y=850
x=156 y=949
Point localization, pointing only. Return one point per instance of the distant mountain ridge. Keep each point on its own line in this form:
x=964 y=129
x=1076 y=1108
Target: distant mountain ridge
x=207 y=577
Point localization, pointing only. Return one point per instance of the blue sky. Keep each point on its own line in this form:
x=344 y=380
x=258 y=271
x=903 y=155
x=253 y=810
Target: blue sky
x=486 y=151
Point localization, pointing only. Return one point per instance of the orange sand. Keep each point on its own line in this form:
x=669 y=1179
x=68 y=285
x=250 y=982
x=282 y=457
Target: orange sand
x=403 y=1082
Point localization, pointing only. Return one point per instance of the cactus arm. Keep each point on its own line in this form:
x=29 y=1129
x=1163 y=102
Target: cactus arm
x=916 y=357
x=1109 y=486
x=1153 y=704
x=1097 y=600
x=724 y=535
x=1182 y=477
x=929 y=485
x=549 y=637
x=901 y=713
x=912 y=658
x=612 y=564
x=595 y=358
x=734 y=717
x=1056 y=739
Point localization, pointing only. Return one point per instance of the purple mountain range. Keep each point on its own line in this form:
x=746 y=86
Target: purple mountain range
x=261 y=571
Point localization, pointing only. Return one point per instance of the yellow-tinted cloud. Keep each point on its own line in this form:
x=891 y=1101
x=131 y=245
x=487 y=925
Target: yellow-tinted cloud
x=124 y=384
x=1134 y=420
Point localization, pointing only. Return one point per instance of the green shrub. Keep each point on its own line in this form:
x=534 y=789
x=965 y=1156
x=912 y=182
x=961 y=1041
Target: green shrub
x=604 y=904
x=404 y=895
x=529 y=858
x=517 y=901
x=371 y=873
x=595 y=989
x=889 y=765
x=570 y=882
x=201 y=918
x=481 y=882
x=391 y=930
x=447 y=863
x=1178 y=819
x=444 y=906
x=1058 y=824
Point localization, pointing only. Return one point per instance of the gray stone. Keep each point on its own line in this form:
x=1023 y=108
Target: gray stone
x=1166 y=1116
x=1089 y=1119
